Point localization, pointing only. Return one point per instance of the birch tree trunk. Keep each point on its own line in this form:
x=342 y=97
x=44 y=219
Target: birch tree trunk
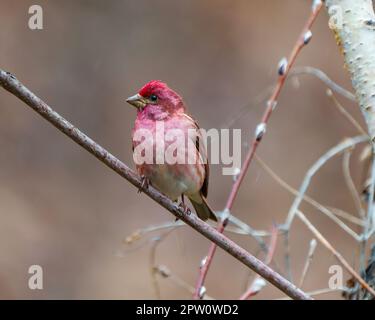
x=353 y=22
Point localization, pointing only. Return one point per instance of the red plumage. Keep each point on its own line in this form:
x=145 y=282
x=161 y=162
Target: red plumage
x=157 y=103
x=152 y=87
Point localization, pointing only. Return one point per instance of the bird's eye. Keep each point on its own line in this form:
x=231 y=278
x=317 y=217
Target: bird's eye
x=153 y=98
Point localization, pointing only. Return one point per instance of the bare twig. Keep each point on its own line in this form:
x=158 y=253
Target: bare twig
x=166 y=273
x=242 y=229
x=349 y=182
x=256 y=234
x=11 y=84
x=205 y=264
x=345 y=113
x=283 y=71
x=254 y=288
x=138 y=234
x=156 y=242
x=323 y=77
x=288 y=265
x=347 y=216
x=337 y=255
x=310 y=256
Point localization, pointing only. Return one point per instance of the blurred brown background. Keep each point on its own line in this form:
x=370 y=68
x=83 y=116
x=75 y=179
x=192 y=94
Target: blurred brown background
x=62 y=209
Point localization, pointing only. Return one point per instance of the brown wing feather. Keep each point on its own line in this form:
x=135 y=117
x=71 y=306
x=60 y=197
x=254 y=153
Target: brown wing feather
x=204 y=188
x=200 y=149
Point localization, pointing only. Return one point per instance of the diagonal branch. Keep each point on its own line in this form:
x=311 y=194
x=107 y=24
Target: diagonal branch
x=11 y=84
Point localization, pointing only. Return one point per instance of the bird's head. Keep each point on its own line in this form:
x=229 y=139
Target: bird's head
x=155 y=97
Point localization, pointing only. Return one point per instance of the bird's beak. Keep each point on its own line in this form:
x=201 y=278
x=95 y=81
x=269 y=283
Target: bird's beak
x=137 y=101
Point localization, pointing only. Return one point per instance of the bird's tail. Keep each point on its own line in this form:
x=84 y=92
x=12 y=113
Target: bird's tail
x=202 y=209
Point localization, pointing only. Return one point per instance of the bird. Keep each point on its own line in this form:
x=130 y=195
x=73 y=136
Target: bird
x=157 y=104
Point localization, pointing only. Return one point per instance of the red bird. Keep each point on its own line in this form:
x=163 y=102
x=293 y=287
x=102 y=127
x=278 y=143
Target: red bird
x=156 y=103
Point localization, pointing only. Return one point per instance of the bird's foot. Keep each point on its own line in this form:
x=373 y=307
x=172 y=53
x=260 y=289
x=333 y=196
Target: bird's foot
x=185 y=208
x=145 y=184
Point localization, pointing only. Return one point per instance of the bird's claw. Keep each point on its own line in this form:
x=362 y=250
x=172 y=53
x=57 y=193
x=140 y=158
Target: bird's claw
x=185 y=208
x=145 y=184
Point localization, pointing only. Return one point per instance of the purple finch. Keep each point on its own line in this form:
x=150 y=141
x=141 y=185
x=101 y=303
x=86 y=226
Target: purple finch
x=158 y=105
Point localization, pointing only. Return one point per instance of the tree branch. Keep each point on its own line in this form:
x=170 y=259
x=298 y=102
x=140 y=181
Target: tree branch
x=11 y=84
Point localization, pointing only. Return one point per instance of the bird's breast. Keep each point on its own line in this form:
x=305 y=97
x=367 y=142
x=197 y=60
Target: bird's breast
x=175 y=167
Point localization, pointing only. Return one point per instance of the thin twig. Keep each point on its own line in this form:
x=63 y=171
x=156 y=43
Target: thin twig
x=347 y=216
x=350 y=184
x=288 y=264
x=284 y=69
x=156 y=242
x=138 y=234
x=337 y=255
x=166 y=273
x=323 y=77
x=309 y=258
x=345 y=113
x=254 y=288
x=204 y=266
x=256 y=234
x=242 y=229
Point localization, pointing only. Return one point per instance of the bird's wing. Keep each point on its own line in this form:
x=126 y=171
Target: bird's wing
x=201 y=148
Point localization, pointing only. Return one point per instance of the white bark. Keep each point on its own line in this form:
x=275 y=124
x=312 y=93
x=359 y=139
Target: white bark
x=353 y=22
